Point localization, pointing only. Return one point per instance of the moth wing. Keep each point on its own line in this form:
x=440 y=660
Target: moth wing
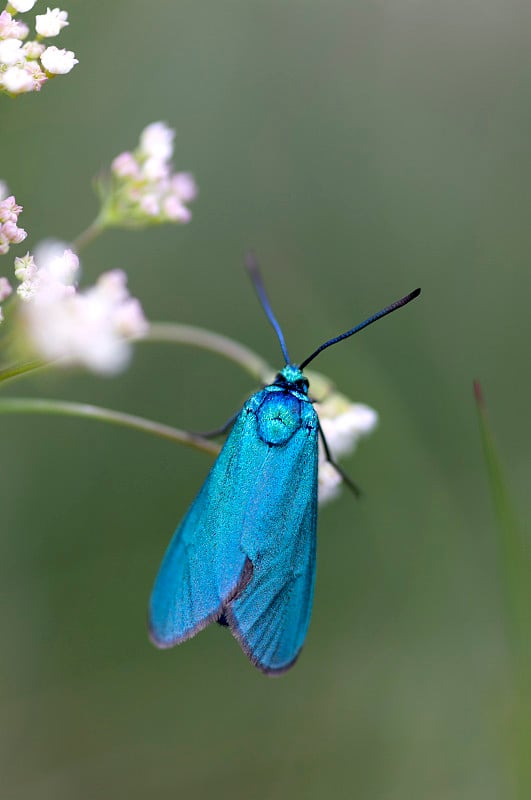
x=270 y=616
x=204 y=565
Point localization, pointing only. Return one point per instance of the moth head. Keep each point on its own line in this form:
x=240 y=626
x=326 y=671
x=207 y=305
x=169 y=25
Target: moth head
x=291 y=377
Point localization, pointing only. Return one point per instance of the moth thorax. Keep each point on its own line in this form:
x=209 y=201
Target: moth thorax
x=279 y=417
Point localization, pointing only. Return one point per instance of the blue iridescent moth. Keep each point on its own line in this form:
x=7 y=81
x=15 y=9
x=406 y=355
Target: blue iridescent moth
x=244 y=554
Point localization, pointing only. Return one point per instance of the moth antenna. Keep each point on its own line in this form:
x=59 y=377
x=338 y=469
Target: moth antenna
x=253 y=269
x=383 y=313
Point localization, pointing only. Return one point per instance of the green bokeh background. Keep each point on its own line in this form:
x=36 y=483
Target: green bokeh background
x=361 y=148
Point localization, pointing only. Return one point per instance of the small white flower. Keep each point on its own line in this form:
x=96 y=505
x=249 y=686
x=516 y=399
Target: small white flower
x=156 y=141
x=343 y=423
x=184 y=185
x=16 y=80
x=27 y=272
x=4 y=190
x=343 y=431
x=175 y=210
x=11 y=28
x=10 y=233
x=58 y=62
x=114 y=285
x=55 y=274
x=13 y=233
x=150 y=205
x=125 y=166
x=5 y=289
x=328 y=483
x=155 y=169
x=39 y=77
x=58 y=259
x=9 y=209
x=10 y=51
x=4 y=244
x=25 y=267
x=22 y=5
x=129 y=319
x=26 y=291
x=51 y=23
x=33 y=49
x=92 y=328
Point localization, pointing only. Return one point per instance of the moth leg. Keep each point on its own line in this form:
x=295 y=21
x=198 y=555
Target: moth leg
x=218 y=431
x=346 y=478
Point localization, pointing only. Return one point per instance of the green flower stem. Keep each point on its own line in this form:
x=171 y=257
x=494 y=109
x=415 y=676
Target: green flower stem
x=7 y=339
x=8 y=305
x=207 y=340
x=17 y=370
x=173 y=333
x=23 y=405
x=88 y=235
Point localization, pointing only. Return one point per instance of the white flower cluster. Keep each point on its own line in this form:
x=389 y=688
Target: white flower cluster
x=92 y=328
x=10 y=233
x=343 y=424
x=5 y=291
x=26 y=65
x=143 y=189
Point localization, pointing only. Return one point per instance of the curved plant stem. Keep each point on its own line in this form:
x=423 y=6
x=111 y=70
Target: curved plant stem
x=88 y=235
x=15 y=371
x=7 y=306
x=207 y=340
x=23 y=405
x=174 y=333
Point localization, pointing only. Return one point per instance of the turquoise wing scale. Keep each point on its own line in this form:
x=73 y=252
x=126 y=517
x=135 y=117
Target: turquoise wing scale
x=245 y=551
x=204 y=562
x=270 y=617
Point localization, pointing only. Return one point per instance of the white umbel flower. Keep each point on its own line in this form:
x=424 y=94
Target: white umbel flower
x=175 y=209
x=58 y=259
x=156 y=141
x=26 y=67
x=343 y=431
x=184 y=186
x=343 y=424
x=10 y=233
x=12 y=28
x=125 y=166
x=51 y=23
x=10 y=51
x=22 y=5
x=328 y=483
x=93 y=328
x=56 y=274
x=58 y=62
x=17 y=80
x=33 y=50
x=143 y=189
x=25 y=267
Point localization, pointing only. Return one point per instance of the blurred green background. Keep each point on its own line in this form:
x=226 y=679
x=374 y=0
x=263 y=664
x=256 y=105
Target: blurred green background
x=361 y=148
